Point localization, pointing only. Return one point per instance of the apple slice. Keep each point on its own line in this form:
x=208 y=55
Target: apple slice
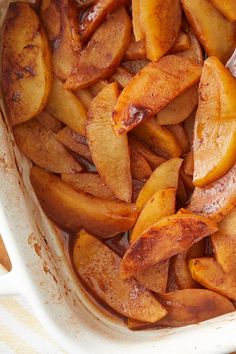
x=195 y=51
x=180 y=265
x=188 y=163
x=187 y=307
x=110 y=153
x=88 y=182
x=96 y=15
x=180 y=135
x=226 y=7
x=140 y=168
x=134 y=66
x=39 y=144
x=138 y=32
x=122 y=76
x=181 y=44
x=98 y=266
x=160 y=22
x=99 y=58
x=224 y=243
x=214 y=148
x=85 y=97
x=158 y=137
x=152 y=89
x=49 y=122
x=165 y=176
x=168 y=237
x=215 y=33
x=136 y=50
x=65 y=106
x=60 y=21
x=26 y=63
x=208 y=272
x=179 y=108
x=153 y=159
x=217 y=199
x=75 y=210
x=74 y=142
x=161 y=204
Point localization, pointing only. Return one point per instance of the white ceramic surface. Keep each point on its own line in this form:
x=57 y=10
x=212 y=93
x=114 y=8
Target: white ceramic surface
x=42 y=274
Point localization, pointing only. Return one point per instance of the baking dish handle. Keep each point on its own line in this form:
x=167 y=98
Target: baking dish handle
x=7 y=282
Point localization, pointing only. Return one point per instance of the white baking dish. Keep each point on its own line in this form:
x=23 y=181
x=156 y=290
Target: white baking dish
x=42 y=274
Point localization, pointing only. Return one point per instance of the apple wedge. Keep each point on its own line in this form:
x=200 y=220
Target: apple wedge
x=187 y=307
x=189 y=126
x=83 y=4
x=224 y=243
x=160 y=23
x=98 y=264
x=217 y=199
x=110 y=153
x=179 y=108
x=226 y=7
x=96 y=15
x=191 y=306
x=49 y=122
x=140 y=169
x=214 y=148
x=215 y=33
x=181 y=44
x=74 y=142
x=85 y=97
x=168 y=237
x=26 y=63
x=164 y=176
x=61 y=24
x=104 y=51
x=208 y=272
x=136 y=50
x=137 y=28
x=88 y=182
x=158 y=137
x=161 y=204
x=180 y=265
x=153 y=159
x=188 y=164
x=180 y=135
x=39 y=144
x=152 y=89
x=122 y=76
x=75 y=210
x=134 y=66
x=65 y=106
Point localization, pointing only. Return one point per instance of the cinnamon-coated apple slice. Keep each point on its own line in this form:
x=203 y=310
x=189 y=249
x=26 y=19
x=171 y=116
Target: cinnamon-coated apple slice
x=98 y=266
x=104 y=51
x=74 y=210
x=168 y=237
x=160 y=23
x=152 y=89
x=214 y=148
x=109 y=152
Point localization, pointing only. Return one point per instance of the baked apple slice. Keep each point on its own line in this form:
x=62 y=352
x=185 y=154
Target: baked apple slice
x=215 y=33
x=39 y=144
x=66 y=107
x=75 y=210
x=180 y=135
x=140 y=169
x=152 y=89
x=164 y=176
x=224 y=243
x=168 y=237
x=49 y=122
x=75 y=142
x=216 y=199
x=95 y=16
x=88 y=182
x=214 y=148
x=104 y=51
x=110 y=153
x=208 y=272
x=60 y=21
x=136 y=50
x=181 y=44
x=98 y=264
x=226 y=7
x=179 y=108
x=160 y=23
x=122 y=76
x=26 y=63
x=137 y=28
